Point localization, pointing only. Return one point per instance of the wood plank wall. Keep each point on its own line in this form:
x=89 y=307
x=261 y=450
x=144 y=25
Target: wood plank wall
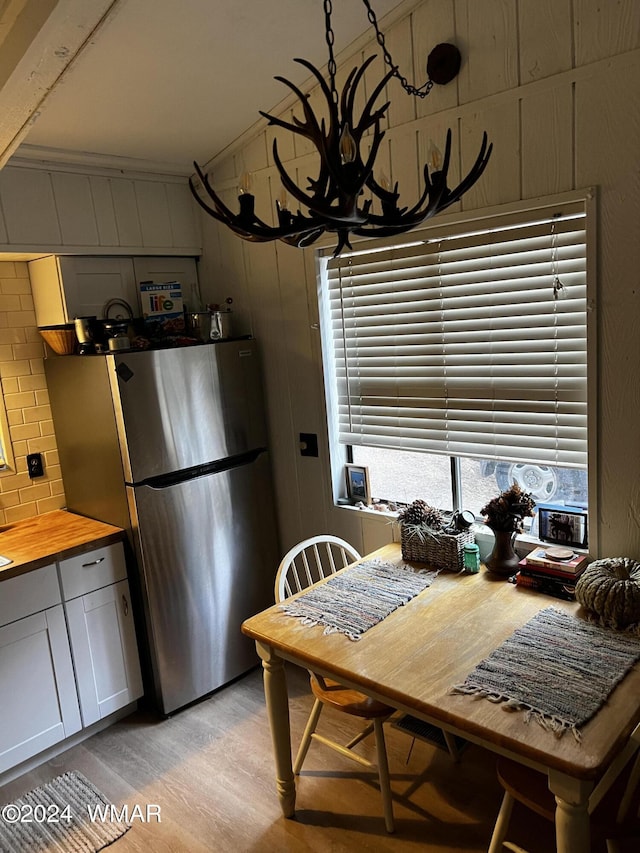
x=556 y=84
x=73 y=210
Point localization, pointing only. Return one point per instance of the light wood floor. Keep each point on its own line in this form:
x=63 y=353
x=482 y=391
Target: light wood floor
x=210 y=770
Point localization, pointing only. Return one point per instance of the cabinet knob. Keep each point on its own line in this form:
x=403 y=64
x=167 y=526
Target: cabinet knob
x=93 y=563
x=125 y=605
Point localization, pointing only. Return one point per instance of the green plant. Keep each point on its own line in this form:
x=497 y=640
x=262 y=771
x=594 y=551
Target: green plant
x=507 y=510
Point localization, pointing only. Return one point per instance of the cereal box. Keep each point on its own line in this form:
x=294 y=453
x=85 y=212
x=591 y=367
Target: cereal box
x=162 y=307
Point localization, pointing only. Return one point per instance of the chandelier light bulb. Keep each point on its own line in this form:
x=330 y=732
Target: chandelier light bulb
x=348 y=150
x=434 y=157
x=245 y=183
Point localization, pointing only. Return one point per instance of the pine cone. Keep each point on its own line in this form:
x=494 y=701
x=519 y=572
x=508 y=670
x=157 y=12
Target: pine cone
x=420 y=513
x=414 y=513
x=433 y=518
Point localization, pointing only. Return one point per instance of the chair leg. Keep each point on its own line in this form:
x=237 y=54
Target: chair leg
x=383 y=774
x=312 y=723
x=360 y=737
x=502 y=824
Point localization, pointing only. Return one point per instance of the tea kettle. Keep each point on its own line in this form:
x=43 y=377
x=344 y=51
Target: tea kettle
x=117 y=328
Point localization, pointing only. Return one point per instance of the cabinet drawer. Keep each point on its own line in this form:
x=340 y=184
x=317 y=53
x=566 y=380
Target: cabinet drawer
x=92 y=570
x=28 y=593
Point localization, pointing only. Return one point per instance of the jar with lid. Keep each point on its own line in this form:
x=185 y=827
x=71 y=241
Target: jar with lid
x=471 y=559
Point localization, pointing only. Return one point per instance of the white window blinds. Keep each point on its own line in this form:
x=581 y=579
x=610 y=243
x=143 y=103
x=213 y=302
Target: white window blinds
x=456 y=345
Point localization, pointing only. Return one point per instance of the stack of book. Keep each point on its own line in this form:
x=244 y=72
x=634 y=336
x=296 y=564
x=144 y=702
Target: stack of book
x=552 y=570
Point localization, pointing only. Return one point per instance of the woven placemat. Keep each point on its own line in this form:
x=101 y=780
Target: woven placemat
x=358 y=598
x=556 y=667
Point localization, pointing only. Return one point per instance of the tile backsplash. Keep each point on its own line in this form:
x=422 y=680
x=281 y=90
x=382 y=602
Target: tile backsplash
x=26 y=401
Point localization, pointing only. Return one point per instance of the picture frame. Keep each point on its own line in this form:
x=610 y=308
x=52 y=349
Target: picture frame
x=358 y=487
x=563 y=525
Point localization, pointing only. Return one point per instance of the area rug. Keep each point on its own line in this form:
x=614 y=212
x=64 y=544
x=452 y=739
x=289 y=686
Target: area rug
x=557 y=668
x=357 y=599
x=57 y=818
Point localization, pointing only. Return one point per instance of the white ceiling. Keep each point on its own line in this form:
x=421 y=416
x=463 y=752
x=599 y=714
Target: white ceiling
x=169 y=82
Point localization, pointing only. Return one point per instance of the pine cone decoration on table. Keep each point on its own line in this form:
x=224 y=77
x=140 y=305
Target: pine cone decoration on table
x=419 y=513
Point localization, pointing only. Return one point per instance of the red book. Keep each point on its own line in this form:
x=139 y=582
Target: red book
x=535 y=570
x=549 y=585
x=538 y=557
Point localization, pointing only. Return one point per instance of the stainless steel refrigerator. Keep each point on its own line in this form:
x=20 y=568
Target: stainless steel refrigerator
x=172 y=446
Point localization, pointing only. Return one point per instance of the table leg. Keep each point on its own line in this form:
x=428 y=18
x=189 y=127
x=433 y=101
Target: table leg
x=277 y=699
x=572 y=818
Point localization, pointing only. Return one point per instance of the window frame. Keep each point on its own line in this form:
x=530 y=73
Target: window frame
x=340 y=454
x=7 y=459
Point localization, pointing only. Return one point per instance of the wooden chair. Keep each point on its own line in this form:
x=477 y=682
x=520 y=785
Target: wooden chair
x=613 y=804
x=303 y=565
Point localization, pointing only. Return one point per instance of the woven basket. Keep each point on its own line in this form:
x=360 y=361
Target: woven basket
x=61 y=339
x=439 y=550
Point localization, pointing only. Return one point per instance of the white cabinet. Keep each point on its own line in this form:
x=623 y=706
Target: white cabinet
x=65 y=287
x=64 y=664
x=38 y=699
x=101 y=630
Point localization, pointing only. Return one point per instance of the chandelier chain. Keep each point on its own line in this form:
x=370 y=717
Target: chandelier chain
x=330 y=37
x=420 y=92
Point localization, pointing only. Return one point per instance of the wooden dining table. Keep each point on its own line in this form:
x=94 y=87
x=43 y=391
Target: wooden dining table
x=411 y=660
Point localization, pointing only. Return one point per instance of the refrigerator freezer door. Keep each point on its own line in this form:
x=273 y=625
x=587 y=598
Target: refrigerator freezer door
x=179 y=408
x=208 y=556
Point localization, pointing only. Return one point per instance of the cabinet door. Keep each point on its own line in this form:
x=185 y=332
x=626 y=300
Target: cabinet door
x=38 y=700
x=67 y=287
x=105 y=652
x=46 y=287
x=88 y=283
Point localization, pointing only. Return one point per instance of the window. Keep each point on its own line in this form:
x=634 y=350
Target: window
x=456 y=359
x=7 y=464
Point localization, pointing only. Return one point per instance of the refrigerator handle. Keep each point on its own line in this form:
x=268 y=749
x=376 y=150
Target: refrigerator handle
x=167 y=480
x=125 y=605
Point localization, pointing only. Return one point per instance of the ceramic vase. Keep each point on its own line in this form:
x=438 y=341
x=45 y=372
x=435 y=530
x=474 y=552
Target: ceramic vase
x=503 y=559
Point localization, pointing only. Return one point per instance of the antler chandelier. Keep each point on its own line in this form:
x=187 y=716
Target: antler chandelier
x=335 y=199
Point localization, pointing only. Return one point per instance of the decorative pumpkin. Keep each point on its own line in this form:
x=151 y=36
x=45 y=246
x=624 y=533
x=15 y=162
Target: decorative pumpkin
x=610 y=588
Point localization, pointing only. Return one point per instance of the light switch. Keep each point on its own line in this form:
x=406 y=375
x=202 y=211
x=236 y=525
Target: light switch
x=308 y=444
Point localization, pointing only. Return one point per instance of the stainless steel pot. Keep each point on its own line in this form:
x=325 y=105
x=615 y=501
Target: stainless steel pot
x=200 y=325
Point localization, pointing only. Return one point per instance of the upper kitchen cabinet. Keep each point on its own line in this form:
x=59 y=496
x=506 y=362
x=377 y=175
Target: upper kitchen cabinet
x=65 y=287
x=55 y=210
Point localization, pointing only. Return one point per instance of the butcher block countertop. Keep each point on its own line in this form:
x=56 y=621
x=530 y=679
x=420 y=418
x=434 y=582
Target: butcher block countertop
x=42 y=540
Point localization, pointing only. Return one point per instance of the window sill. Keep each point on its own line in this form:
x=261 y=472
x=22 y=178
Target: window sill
x=525 y=542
